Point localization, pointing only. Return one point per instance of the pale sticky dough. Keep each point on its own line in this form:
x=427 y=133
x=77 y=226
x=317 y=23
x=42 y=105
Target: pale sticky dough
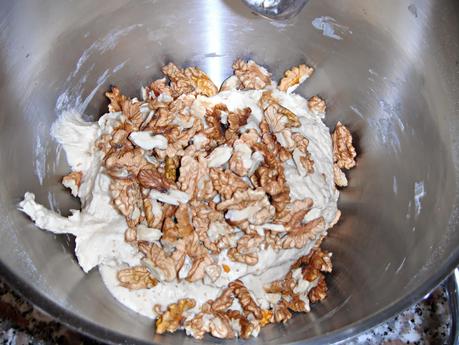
x=99 y=228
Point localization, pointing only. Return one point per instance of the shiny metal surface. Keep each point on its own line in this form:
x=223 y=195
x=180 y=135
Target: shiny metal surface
x=277 y=9
x=392 y=78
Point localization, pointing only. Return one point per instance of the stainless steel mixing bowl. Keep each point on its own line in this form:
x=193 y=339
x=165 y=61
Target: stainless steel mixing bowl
x=388 y=69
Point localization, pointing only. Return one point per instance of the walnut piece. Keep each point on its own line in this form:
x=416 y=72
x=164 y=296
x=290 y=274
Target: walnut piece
x=317 y=105
x=245 y=299
x=319 y=292
x=246 y=250
x=235 y=120
x=251 y=205
x=116 y=99
x=170 y=169
x=339 y=176
x=180 y=83
x=299 y=237
x=135 y=278
x=281 y=312
x=124 y=164
x=277 y=116
x=189 y=80
x=202 y=83
x=73 y=181
x=173 y=317
x=251 y=75
x=226 y=183
x=161 y=265
x=127 y=198
x=220 y=326
x=343 y=152
x=294 y=77
x=152 y=179
x=198 y=326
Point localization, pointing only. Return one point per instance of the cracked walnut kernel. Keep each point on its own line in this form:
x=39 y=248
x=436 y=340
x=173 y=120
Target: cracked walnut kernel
x=173 y=317
x=343 y=152
x=251 y=75
x=136 y=278
x=294 y=77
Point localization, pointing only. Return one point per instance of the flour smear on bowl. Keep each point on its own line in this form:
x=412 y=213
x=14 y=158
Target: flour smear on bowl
x=202 y=207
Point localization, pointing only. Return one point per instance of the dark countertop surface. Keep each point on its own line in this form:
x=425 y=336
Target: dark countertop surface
x=427 y=322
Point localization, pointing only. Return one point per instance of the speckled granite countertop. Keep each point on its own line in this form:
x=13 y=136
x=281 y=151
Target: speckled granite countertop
x=428 y=322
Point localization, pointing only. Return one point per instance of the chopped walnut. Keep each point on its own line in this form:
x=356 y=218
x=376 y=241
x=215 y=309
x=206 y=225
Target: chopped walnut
x=157 y=88
x=236 y=120
x=179 y=140
x=277 y=116
x=203 y=215
x=198 y=268
x=189 y=167
x=293 y=213
x=161 y=123
x=132 y=112
x=152 y=179
x=73 y=181
x=250 y=137
x=251 y=75
x=241 y=324
x=277 y=122
x=248 y=304
x=202 y=83
x=251 y=205
x=214 y=130
x=226 y=183
x=198 y=326
x=317 y=105
x=241 y=160
x=343 y=152
x=339 y=176
x=130 y=235
x=298 y=237
x=220 y=326
x=294 y=77
x=281 y=312
x=158 y=262
x=181 y=108
x=173 y=317
x=125 y=164
x=127 y=198
x=136 y=278
x=170 y=169
x=222 y=302
x=116 y=99
x=246 y=250
x=154 y=214
x=319 y=292
x=189 y=80
x=204 y=187
x=180 y=83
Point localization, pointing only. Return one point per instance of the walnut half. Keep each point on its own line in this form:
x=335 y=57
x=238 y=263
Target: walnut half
x=135 y=278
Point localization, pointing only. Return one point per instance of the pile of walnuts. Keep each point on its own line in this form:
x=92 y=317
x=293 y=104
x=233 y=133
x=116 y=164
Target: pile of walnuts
x=194 y=182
